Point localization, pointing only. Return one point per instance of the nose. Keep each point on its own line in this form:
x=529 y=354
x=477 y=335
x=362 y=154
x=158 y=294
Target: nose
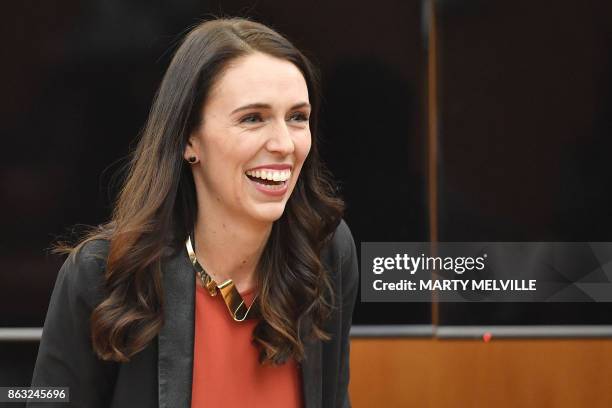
x=280 y=140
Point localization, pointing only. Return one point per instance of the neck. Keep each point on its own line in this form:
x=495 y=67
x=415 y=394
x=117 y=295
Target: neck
x=229 y=248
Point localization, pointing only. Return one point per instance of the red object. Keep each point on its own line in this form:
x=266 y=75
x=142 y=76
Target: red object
x=487 y=337
x=226 y=372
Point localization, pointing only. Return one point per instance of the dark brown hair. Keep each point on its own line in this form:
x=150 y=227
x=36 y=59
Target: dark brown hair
x=156 y=208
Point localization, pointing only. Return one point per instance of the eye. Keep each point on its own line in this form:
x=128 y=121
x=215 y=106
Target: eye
x=251 y=118
x=299 y=117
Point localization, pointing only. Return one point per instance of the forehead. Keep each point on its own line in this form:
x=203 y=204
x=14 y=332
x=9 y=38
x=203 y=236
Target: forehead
x=258 y=78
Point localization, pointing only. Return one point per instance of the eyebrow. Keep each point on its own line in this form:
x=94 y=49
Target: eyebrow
x=267 y=106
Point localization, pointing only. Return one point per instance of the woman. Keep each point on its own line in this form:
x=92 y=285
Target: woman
x=226 y=276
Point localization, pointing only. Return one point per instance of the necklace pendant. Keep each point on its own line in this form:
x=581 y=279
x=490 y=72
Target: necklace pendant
x=211 y=285
x=208 y=283
x=234 y=302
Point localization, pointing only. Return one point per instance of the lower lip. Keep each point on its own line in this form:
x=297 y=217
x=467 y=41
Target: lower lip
x=271 y=190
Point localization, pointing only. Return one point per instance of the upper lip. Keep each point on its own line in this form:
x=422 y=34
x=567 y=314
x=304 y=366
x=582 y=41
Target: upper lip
x=272 y=167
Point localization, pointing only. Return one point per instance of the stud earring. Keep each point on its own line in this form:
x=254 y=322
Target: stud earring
x=192 y=160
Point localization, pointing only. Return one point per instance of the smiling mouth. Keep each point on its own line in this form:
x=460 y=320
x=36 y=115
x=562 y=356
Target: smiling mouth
x=266 y=182
x=269 y=177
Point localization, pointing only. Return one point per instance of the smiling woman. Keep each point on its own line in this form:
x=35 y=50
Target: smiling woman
x=225 y=194
x=252 y=140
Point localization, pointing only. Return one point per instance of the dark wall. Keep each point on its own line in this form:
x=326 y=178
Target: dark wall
x=526 y=102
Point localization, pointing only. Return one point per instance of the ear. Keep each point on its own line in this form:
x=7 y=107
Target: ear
x=192 y=147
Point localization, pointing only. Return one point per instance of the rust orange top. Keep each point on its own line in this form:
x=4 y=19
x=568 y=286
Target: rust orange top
x=226 y=370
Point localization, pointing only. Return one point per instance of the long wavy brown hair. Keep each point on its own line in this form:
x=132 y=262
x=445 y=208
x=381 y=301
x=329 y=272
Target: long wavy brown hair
x=156 y=208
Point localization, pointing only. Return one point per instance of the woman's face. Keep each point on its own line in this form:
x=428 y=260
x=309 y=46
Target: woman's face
x=253 y=139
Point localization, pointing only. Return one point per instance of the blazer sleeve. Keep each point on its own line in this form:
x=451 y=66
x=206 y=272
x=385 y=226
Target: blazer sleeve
x=349 y=282
x=65 y=354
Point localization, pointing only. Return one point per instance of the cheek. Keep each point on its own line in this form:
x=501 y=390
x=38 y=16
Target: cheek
x=220 y=169
x=224 y=153
x=302 y=146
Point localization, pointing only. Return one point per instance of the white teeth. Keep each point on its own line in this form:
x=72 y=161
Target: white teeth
x=272 y=175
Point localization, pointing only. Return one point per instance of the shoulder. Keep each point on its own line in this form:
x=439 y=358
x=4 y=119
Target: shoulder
x=82 y=274
x=95 y=250
x=90 y=257
x=342 y=244
x=341 y=254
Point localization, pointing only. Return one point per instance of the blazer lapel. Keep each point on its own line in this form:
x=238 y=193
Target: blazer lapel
x=175 y=353
x=311 y=374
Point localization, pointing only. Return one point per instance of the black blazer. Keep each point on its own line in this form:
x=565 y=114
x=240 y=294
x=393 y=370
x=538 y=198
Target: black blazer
x=161 y=374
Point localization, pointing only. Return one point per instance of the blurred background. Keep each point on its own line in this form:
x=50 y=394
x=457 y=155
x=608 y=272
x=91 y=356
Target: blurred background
x=448 y=120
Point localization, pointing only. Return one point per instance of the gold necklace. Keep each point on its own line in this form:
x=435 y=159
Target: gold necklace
x=234 y=302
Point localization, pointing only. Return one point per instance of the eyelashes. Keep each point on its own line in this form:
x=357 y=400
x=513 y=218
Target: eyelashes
x=250 y=118
x=253 y=118
x=299 y=116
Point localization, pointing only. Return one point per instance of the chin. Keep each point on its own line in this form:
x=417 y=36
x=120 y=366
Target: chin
x=269 y=212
